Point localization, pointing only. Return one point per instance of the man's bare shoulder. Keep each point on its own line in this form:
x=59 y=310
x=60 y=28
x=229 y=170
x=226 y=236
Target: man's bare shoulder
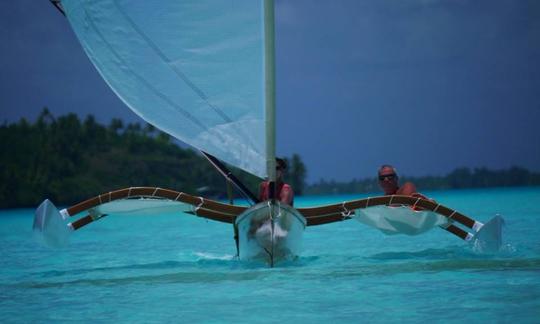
x=407 y=189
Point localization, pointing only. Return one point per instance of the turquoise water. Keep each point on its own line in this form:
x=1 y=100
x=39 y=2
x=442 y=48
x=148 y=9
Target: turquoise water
x=180 y=268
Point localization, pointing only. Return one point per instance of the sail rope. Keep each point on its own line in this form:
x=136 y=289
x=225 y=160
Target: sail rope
x=178 y=197
x=345 y=213
x=272 y=228
x=416 y=202
x=196 y=209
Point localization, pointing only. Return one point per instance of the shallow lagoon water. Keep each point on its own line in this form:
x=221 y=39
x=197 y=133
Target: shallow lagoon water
x=180 y=268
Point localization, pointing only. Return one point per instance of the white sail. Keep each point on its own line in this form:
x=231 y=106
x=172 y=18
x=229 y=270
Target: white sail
x=194 y=69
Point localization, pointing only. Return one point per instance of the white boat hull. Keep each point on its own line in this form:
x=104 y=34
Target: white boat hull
x=270 y=232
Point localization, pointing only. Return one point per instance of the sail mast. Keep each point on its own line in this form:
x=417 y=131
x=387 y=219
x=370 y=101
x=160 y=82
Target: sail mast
x=270 y=92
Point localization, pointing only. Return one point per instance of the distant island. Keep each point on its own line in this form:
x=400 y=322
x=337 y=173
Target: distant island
x=68 y=160
x=460 y=178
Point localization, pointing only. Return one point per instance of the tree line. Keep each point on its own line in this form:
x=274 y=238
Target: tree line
x=460 y=178
x=68 y=160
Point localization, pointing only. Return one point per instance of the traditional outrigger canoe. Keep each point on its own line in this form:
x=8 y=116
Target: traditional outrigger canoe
x=203 y=71
x=268 y=231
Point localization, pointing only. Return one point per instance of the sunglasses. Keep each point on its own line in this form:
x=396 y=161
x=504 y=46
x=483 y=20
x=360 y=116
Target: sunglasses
x=387 y=176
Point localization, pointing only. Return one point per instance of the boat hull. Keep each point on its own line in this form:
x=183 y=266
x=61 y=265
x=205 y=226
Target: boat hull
x=270 y=232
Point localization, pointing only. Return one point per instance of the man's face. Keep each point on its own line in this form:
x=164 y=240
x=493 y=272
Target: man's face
x=388 y=180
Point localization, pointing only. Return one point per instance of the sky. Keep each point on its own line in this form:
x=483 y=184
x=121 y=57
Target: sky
x=425 y=85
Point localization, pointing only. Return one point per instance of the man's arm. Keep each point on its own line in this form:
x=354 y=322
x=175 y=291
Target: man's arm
x=286 y=196
x=408 y=189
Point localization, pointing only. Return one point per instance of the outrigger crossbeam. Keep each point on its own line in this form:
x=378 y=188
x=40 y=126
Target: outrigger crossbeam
x=217 y=211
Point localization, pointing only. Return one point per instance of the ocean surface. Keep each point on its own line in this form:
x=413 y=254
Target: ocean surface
x=181 y=269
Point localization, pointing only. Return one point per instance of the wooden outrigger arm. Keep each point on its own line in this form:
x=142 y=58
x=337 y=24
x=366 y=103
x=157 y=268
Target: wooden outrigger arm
x=338 y=212
x=203 y=207
x=50 y=222
x=157 y=193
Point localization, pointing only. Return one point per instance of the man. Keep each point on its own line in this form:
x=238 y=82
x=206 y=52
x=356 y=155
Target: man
x=284 y=192
x=389 y=183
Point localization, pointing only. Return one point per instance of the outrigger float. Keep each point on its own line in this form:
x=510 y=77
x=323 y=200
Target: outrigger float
x=203 y=71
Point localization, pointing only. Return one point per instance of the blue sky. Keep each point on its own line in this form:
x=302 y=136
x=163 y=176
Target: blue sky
x=426 y=85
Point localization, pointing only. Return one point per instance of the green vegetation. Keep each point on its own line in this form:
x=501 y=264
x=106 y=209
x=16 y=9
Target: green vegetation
x=458 y=179
x=68 y=160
